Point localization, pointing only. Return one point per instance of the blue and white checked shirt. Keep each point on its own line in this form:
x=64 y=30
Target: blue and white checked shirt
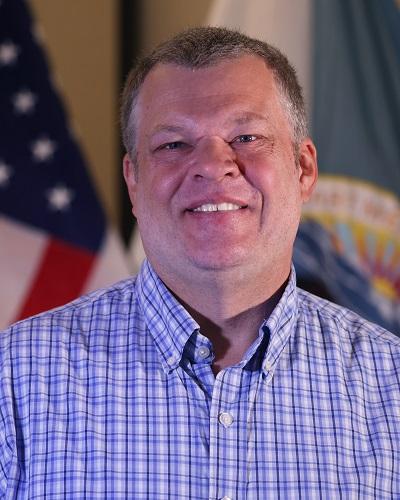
x=113 y=397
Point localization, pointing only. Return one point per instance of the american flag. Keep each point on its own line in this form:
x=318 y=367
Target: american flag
x=55 y=243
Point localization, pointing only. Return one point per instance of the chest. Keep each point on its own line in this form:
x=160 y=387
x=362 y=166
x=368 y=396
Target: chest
x=142 y=433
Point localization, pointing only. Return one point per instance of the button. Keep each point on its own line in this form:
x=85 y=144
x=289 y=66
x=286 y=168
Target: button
x=203 y=352
x=226 y=498
x=267 y=366
x=171 y=360
x=225 y=419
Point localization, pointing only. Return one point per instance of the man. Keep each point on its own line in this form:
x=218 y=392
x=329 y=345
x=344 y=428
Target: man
x=210 y=375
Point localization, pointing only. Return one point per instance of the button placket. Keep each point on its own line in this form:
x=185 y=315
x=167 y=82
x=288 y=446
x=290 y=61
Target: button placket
x=227 y=462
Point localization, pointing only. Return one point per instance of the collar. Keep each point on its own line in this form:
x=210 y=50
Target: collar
x=171 y=325
x=275 y=331
x=280 y=324
x=167 y=320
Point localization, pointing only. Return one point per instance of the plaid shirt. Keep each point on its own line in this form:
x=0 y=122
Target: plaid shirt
x=112 y=396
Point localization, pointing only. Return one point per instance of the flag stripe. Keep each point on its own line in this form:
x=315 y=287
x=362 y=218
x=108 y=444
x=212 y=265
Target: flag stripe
x=21 y=249
x=55 y=284
x=109 y=266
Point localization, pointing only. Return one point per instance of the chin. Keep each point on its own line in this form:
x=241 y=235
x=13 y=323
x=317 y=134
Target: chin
x=209 y=261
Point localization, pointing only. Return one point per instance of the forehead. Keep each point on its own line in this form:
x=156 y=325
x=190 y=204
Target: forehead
x=241 y=66
x=245 y=81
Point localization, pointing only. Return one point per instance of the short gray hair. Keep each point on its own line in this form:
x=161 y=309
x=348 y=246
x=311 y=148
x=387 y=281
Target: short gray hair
x=207 y=46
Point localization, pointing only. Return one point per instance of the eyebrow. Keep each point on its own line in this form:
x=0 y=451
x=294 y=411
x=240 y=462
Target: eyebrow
x=163 y=127
x=247 y=117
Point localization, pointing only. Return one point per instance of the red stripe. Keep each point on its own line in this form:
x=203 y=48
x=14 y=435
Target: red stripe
x=60 y=277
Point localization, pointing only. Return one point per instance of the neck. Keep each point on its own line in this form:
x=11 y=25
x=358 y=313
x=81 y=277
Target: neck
x=232 y=334
x=228 y=309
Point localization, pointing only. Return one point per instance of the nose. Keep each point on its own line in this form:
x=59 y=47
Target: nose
x=214 y=159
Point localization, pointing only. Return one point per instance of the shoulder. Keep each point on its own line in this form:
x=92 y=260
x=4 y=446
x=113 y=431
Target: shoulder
x=357 y=340
x=88 y=313
x=340 y=319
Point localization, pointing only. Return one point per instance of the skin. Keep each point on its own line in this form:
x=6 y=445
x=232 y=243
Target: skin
x=219 y=135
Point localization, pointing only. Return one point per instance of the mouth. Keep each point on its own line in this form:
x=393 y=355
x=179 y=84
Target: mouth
x=217 y=207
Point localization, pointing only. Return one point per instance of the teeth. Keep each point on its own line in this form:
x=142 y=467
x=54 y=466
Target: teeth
x=220 y=207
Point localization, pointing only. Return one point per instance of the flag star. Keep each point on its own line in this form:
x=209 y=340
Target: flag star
x=43 y=149
x=60 y=198
x=24 y=102
x=5 y=174
x=8 y=53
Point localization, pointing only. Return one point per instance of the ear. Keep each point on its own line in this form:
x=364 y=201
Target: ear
x=308 y=168
x=130 y=176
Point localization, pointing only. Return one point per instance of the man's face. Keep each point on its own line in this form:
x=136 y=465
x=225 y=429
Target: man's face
x=217 y=187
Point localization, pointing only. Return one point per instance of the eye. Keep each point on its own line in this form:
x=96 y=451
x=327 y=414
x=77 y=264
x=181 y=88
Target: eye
x=172 y=145
x=244 y=138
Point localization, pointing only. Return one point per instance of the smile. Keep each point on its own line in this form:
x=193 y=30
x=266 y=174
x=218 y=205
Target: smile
x=217 y=207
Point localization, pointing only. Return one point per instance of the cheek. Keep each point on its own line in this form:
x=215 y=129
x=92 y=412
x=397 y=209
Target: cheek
x=259 y=172
x=279 y=187
x=155 y=190
x=163 y=186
